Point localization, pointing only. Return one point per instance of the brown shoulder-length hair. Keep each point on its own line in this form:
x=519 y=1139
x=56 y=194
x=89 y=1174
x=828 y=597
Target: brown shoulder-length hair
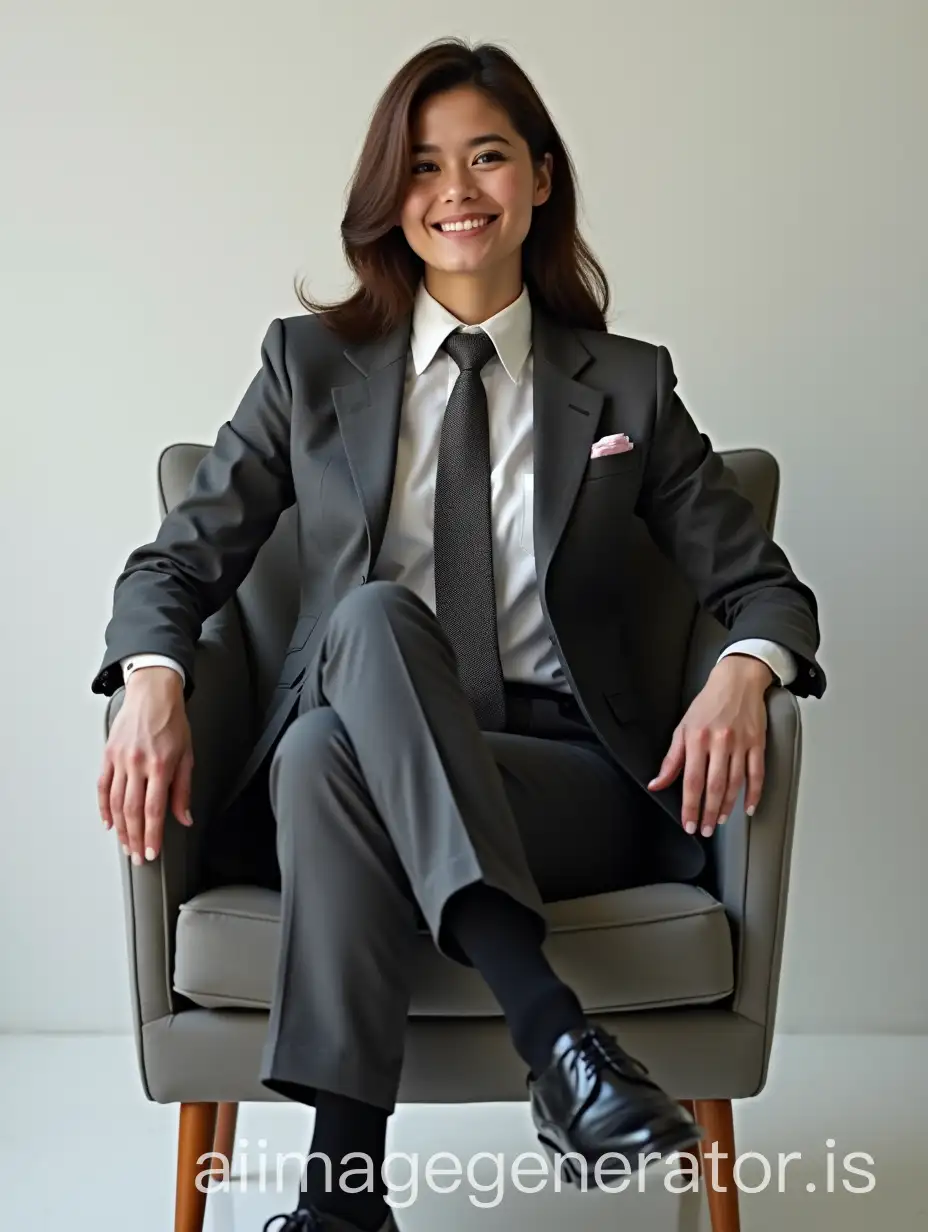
x=561 y=273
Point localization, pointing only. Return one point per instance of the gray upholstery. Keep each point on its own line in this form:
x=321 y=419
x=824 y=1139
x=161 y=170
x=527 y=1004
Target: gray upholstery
x=685 y=976
x=227 y=941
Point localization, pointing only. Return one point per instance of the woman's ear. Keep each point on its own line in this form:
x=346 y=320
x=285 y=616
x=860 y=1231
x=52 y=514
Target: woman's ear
x=543 y=178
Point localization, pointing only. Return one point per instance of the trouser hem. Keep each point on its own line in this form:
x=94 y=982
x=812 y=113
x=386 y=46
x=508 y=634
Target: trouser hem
x=302 y=1082
x=442 y=884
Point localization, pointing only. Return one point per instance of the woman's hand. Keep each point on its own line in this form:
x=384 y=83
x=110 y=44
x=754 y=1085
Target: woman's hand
x=148 y=756
x=719 y=741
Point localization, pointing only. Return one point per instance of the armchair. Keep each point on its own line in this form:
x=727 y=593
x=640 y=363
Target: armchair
x=686 y=976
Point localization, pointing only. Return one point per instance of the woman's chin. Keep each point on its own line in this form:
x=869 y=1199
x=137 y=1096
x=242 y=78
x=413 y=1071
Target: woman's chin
x=463 y=267
x=461 y=262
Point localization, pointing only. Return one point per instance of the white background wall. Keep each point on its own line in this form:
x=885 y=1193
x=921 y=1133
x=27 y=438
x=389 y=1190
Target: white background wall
x=754 y=183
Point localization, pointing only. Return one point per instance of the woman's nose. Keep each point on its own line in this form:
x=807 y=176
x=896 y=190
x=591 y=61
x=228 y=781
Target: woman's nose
x=458 y=186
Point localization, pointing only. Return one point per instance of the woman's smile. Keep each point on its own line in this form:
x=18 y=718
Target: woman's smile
x=467 y=229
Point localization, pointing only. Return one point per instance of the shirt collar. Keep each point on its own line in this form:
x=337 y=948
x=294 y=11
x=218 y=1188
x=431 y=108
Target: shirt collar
x=510 y=331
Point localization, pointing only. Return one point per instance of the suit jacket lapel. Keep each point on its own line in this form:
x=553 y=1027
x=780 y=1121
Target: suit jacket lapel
x=566 y=420
x=368 y=413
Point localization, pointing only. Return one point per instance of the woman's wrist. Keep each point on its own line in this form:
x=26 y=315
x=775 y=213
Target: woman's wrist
x=749 y=668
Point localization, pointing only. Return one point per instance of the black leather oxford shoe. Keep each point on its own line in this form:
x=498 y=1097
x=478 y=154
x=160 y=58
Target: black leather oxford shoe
x=594 y=1099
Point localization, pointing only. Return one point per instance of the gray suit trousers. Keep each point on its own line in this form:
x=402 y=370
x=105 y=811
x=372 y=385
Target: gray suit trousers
x=385 y=798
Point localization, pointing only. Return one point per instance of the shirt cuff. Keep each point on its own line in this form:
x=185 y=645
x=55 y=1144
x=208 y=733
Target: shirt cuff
x=780 y=660
x=133 y=662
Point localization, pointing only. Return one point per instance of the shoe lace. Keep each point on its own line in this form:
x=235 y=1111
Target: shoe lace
x=302 y=1220
x=597 y=1049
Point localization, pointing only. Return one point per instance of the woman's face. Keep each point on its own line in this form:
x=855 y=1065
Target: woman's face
x=469 y=164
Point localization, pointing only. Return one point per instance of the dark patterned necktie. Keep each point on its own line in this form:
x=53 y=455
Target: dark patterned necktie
x=465 y=598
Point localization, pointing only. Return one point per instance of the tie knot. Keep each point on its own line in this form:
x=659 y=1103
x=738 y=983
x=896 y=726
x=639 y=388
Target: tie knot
x=469 y=351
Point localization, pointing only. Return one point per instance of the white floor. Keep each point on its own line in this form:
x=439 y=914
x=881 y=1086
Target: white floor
x=80 y=1148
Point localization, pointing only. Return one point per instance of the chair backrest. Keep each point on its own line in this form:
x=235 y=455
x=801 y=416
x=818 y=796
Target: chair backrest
x=268 y=599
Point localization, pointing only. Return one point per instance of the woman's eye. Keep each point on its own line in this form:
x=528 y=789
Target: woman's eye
x=493 y=155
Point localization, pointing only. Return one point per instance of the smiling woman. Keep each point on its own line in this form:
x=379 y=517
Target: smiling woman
x=463 y=183
x=484 y=672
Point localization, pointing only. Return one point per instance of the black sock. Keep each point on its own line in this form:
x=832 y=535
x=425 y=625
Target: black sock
x=345 y=1126
x=502 y=938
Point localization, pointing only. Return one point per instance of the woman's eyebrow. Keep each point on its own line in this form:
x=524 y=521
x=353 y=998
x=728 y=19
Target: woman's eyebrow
x=425 y=148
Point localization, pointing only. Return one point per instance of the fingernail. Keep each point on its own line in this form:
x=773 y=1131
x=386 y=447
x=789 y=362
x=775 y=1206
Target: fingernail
x=149 y=853
x=125 y=848
x=107 y=824
x=750 y=810
x=136 y=859
x=189 y=817
x=706 y=831
x=690 y=827
x=723 y=819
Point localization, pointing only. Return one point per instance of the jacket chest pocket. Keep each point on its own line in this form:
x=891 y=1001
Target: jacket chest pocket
x=611 y=483
x=611 y=465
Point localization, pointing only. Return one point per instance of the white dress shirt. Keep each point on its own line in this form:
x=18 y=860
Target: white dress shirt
x=526 y=651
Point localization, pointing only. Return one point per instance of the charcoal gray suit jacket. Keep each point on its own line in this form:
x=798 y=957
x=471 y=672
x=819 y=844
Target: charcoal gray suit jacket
x=318 y=427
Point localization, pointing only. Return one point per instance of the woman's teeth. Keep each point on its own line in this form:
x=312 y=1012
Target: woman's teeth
x=469 y=225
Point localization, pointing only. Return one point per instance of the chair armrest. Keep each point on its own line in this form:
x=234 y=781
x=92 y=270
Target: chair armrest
x=753 y=857
x=220 y=713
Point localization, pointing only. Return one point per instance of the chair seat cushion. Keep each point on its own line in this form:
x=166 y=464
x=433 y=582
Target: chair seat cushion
x=651 y=947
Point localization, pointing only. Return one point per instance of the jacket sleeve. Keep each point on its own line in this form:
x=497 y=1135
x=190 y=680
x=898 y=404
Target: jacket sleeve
x=711 y=533
x=207 y=543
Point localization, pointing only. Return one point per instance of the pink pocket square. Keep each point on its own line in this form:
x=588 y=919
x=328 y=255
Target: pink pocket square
x=611 y=444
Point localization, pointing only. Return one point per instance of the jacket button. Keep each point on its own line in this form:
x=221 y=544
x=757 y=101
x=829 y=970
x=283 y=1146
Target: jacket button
x=811 y=671
x=363 y=578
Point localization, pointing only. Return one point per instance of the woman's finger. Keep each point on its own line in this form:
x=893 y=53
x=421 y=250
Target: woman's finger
x=180 y=789
x=117 y=799
x=156 y=801
x=104 y=786
x=735 y=783
x=755 y=779
x=672 y=763
x=720 y=749
x=694 y=777
x=134 y=810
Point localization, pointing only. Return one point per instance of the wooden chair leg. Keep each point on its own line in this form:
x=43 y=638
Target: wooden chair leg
x=687 y=1168
x=195 y=1137
x=715 y=1116
x=224 y=1143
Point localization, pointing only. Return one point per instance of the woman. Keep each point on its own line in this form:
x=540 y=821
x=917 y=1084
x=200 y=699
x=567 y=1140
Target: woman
x=464 y=426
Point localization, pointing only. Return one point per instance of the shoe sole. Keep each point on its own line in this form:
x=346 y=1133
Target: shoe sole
x=674 y=1137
